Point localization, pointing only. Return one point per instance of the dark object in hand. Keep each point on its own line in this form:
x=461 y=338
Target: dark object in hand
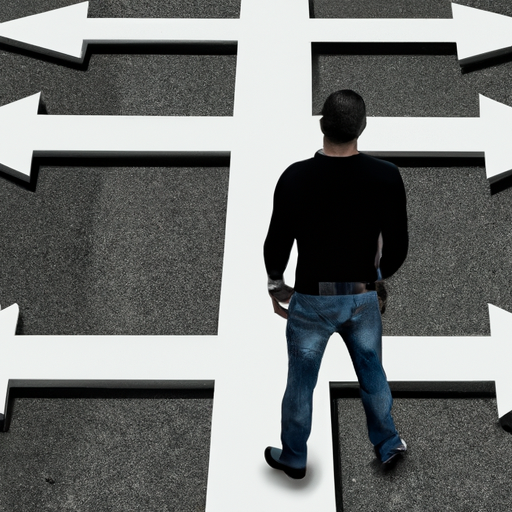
x=283 y=295
x=382 y=294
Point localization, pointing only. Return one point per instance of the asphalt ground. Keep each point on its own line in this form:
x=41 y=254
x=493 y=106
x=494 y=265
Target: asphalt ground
x=457 y=460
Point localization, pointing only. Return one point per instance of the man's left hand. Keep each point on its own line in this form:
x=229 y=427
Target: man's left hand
x=281 y=295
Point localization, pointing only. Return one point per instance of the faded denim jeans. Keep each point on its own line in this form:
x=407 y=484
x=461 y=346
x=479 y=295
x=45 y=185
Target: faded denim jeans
x=312 y=320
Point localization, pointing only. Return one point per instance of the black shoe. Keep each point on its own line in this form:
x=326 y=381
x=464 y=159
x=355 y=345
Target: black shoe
x=399 y=450
x=296 y=473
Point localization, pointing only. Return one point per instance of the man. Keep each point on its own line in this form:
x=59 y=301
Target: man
x=347 y=212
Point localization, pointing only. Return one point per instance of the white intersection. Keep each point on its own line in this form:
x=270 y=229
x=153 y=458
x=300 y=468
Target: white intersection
x=271 y=127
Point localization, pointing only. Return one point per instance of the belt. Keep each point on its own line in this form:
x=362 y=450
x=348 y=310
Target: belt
x=343 y=288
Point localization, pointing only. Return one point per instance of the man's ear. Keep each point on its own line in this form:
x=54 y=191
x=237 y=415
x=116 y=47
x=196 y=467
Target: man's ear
x=362 y=127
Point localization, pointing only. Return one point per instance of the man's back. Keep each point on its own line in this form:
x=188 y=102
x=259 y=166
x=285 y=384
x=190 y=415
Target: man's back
x=335 y=207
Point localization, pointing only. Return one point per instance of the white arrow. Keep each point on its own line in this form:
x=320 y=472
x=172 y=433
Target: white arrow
x=76 y=357
x=486 y=136
x=478 y=34
x=482 y=358
x=67 y=31
x=24 y=134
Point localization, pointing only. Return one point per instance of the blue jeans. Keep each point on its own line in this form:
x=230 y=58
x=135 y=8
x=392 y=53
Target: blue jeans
x=311 y=321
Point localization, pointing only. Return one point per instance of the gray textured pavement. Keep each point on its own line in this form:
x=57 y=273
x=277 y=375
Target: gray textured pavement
x=133 y=247
x=458 y=458
x=106 y=455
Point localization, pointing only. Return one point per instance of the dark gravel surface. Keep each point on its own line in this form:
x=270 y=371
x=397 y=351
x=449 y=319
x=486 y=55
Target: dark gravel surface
x=133 y=247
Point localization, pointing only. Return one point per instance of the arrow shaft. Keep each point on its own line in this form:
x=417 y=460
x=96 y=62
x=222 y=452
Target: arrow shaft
x=113 y=30
x=383 y=30
x=421 y=136
x=103 y=135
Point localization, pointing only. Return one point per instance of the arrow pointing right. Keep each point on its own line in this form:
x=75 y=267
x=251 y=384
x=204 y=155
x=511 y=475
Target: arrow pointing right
x=478 y=34
x=486 y=136
x=66 y=32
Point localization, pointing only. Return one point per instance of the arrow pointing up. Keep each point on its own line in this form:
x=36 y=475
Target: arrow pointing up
x=24 y=134
x=66 y=32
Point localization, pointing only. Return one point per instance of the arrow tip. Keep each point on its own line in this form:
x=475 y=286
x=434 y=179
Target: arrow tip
x=501 y=321
x=481 y=34
x=16 y=122
x=496 y=133
x=499 y=317
x=57 y=33
x=9 y=321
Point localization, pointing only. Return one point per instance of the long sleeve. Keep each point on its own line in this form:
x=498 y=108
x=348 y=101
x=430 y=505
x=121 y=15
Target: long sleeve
x=279 y=241
x=394 y=228
x=335 y=208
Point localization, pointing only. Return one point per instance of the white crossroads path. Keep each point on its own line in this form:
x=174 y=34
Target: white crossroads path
x=25 y=134
x=66 y=32
x=271 y=127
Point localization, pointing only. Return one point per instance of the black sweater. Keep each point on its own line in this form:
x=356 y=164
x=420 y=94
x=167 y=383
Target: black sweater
x=335 y=207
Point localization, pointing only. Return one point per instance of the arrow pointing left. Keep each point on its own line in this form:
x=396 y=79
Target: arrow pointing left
x=66 y=32
x=24 y=134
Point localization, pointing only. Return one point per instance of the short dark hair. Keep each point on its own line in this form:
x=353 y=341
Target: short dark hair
x=343 y=116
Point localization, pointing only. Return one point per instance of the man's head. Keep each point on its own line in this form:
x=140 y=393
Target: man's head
x=343 y=116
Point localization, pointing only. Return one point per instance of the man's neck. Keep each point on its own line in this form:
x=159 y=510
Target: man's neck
x=343 y=149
